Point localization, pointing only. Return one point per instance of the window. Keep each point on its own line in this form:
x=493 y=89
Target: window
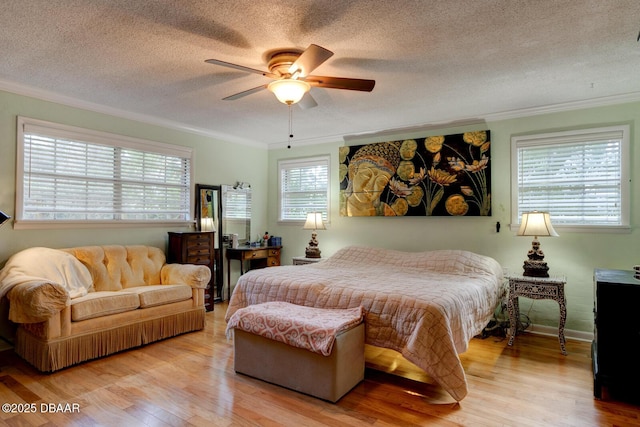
x=580 y=177
x=68 y=176
x=304 y=187
x=237 y=202
x=236 y=210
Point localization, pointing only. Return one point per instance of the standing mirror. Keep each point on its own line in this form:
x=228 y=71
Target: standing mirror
x=236 y=212
x=209 y=218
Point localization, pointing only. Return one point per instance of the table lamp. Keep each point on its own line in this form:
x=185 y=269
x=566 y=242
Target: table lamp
x=313 y=222
x=536 y=224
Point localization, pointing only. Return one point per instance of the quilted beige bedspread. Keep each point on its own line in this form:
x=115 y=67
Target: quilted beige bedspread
x=425 y=305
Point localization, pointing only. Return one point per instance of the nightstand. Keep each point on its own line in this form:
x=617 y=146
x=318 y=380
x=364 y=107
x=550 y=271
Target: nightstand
x=536 y=288
x=300 y=260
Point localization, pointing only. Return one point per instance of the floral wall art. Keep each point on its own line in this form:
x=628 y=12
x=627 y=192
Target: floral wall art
x=446 y=175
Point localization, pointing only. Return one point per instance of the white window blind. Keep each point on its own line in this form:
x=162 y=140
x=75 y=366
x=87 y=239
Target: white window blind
x=304 y=187
x=580 y=177
x=237 y=203
x=74 y=175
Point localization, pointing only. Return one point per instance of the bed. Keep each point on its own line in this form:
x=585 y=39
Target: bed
x=425 y=305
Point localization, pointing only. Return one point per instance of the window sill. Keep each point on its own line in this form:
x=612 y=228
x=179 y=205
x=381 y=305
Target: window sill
x=52 y=225
x=610 y=229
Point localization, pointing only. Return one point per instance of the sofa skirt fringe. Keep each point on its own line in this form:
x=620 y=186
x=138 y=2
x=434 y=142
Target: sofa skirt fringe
x=52 y=355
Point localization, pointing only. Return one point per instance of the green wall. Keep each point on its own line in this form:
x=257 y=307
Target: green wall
x=220 y=162
x=216 y=162
x=573 y=254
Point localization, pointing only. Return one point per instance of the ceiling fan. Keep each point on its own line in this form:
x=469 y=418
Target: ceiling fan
x=290 y=72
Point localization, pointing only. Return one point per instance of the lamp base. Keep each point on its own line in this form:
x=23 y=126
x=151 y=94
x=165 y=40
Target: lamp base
x=535 y=268
x=312 y=252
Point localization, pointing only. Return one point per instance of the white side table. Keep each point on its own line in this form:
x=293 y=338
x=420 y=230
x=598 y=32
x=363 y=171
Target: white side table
x=536 y=288
x=300 y=260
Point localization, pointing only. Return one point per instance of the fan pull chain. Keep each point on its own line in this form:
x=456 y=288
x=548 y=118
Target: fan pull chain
x=290 y=126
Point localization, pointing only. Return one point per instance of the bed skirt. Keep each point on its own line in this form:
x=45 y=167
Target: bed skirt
x=52 y=355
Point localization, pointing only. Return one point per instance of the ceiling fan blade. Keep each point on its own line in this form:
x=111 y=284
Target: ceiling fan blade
x=244 y=93
x=341 y=83
x=309 y=60
x=307 y=102
x=242 y=68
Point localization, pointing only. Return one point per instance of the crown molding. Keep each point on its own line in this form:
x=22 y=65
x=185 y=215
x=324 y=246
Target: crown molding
x=504 y=115
x=565 y=106
x=46 y=95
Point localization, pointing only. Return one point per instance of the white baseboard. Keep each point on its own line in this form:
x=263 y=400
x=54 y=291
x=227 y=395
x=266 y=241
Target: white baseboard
x=568 y=333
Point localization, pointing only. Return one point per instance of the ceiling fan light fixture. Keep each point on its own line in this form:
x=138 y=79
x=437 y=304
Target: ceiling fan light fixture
x=289 y=91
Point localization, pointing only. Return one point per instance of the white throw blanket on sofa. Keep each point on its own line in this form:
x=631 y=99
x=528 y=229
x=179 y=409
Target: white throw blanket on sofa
x=46 y=265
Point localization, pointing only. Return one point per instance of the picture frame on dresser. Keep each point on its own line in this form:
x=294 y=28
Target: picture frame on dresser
x=208 y=212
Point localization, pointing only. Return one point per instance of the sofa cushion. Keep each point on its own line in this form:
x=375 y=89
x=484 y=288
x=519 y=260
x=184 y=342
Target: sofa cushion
x=103 y=303
x=145 y=263
x=152 y=295
x=114 y=267
x=105 y=270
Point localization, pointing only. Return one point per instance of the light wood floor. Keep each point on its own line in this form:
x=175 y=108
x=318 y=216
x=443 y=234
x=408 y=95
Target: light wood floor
x=189 y=380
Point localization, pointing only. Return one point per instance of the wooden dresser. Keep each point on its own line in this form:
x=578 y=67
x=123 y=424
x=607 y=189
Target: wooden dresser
x=616 y=343
x=257 y=257
x=196 y=248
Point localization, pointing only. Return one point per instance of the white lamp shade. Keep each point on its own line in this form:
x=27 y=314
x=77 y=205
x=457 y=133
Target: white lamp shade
x=536 y=224
x=289 y=91
x=314 y=221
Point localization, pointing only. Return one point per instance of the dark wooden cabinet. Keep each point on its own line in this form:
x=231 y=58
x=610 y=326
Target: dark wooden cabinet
x=616 y=344
x=197 y=248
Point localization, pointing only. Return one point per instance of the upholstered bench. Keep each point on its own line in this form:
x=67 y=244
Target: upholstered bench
x=315 y=351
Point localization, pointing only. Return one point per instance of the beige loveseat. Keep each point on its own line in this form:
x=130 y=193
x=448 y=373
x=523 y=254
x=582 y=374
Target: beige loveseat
x=77 y=304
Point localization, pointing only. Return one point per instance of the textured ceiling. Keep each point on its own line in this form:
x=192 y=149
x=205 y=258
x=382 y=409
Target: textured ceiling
x=433 y=61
